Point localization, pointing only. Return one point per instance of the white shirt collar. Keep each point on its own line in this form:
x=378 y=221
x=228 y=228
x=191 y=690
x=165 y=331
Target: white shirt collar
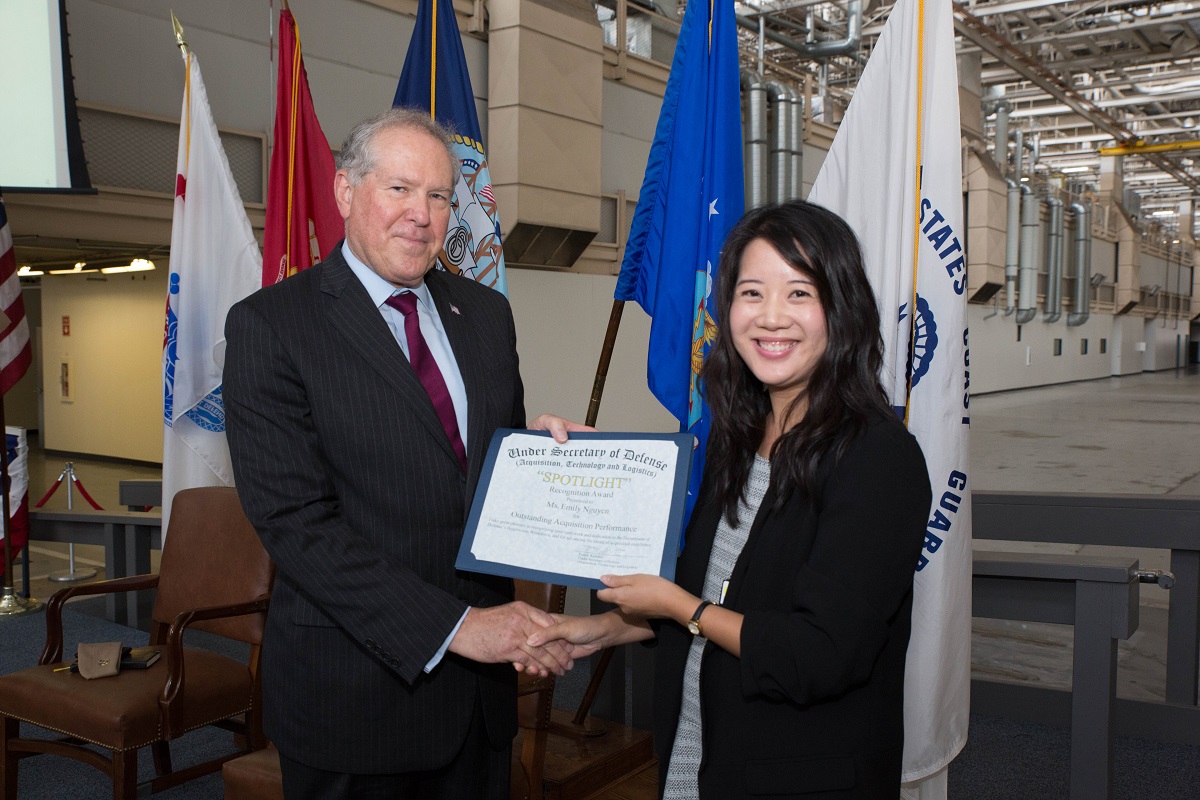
x=379 y=289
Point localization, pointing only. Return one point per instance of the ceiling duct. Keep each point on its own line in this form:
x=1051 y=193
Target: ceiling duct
x=531 y=245
x=818 y=51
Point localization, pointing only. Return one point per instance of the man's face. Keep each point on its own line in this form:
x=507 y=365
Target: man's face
x=396 y=217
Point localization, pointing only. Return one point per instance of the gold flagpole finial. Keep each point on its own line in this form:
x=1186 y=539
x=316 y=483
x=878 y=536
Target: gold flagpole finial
x=179 y=40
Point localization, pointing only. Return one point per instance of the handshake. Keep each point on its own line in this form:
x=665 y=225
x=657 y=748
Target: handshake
x=503 y=633
x=535 y=641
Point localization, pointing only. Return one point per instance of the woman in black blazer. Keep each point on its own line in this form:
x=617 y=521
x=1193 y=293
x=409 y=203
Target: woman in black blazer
x=780 y=666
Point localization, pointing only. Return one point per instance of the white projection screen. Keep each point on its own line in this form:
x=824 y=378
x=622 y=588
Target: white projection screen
x=40 y=148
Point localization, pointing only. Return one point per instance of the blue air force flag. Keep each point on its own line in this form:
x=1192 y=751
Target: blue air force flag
x=215 y=262
x=894 y=173
x=435 y=78
x=691 y=196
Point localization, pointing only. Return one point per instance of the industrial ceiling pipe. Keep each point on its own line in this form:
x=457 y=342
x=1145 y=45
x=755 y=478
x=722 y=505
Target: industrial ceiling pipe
x=756 y=139
x=1012 y=239
x=780 y=168
x=1082 y=301
x=1054 y=260
x=1031 y=210
x=797 y=147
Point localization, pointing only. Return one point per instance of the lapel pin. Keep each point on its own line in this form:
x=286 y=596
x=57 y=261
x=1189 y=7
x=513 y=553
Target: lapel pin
x=454 y=308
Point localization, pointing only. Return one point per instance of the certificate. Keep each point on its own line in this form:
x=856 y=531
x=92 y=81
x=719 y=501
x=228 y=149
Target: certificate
x=601 y=504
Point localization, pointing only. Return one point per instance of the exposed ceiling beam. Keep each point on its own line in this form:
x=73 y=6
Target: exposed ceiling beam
x=977 y=31
x=1141 y=148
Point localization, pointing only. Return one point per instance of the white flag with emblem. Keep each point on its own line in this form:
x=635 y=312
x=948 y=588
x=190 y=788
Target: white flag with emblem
x=895 y=174
x=215 y=262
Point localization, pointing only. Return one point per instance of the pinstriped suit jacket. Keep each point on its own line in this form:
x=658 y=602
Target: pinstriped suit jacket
x=345 y=471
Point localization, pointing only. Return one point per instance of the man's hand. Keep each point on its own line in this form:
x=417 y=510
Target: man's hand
x=501 y=633
x=558 y=427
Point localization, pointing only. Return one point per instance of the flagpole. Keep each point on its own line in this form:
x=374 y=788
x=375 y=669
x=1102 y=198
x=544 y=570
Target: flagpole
x=11 y=605
x=578 y=722
x=606 y=351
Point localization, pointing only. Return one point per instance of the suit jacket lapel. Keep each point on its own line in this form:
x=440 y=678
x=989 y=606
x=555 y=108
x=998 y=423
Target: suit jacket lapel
x=349 y=309
x=463 y=334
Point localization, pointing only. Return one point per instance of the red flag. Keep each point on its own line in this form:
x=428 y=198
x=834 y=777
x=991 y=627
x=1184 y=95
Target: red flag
x=303 y=223
x=15 y=352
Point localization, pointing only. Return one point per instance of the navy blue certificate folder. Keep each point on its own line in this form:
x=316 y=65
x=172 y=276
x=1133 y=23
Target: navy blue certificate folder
x=621 y=461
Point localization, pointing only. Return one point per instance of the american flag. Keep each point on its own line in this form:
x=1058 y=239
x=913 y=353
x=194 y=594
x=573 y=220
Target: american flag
x=15 y=352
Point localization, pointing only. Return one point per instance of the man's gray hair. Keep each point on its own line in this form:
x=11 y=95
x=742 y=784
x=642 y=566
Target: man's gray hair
x=357 y=156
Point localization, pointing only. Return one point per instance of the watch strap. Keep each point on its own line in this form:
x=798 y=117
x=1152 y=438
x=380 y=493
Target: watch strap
x=694 y=623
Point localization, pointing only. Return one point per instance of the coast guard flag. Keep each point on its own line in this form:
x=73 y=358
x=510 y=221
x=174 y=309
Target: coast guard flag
x=894 y=173
x=18 y=490
x=691 y=196
x=214 y=263
x=15 y=351
x=435 y=78
x=303 y=223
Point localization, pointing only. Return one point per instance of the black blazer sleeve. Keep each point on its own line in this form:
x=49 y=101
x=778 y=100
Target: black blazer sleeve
x=870 y=514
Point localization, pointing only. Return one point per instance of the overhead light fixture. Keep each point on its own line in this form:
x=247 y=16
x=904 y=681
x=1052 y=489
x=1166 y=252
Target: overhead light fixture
x=1163 y=213
x=136 y=265
x=76 y=270
x=1074 y=169
x=28 y=272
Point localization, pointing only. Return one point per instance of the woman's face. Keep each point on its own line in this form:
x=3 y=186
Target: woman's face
x=777 y=322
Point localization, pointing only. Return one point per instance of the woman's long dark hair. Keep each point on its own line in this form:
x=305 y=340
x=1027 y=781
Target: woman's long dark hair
x=844 y=390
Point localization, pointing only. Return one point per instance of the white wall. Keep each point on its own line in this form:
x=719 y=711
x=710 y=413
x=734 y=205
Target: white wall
x=114 y=352
x=999 y=361
x=561 y=321
x=1166 y=344
x=630 y=116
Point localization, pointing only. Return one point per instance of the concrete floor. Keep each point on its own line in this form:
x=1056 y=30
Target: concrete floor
x=1137 y=434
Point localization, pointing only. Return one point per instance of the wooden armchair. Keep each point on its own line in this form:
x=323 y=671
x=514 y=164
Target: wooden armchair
x=534 y=698
x=214 y=576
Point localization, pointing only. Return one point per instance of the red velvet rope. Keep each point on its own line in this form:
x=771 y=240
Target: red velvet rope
x=47 y=495
x=78 y=485
x=86 y=496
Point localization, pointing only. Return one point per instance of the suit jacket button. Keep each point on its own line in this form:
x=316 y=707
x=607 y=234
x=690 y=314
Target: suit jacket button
x=371 y=644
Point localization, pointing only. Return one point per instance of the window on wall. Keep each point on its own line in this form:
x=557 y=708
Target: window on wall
x=1083 y=347
x=1103 y=346
x=1058 y=347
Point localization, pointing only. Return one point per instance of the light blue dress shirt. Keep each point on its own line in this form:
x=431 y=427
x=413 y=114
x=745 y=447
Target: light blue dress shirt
x=439 y=346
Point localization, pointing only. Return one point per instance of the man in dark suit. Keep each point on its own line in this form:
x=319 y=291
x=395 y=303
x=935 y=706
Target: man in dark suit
x=386 y=672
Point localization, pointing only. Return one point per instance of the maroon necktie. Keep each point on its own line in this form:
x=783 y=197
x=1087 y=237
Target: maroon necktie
x=427 y=370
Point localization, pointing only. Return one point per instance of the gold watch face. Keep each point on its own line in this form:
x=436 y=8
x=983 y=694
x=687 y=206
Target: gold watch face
x=694 y=627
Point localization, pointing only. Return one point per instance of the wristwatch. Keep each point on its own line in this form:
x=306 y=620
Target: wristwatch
x=693 y=625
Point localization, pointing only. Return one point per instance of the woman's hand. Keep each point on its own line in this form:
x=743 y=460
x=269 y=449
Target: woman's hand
x=583 y=636
x=648 y=596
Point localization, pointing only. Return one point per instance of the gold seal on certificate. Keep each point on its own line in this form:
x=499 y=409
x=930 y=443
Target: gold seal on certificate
x=601 y=504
